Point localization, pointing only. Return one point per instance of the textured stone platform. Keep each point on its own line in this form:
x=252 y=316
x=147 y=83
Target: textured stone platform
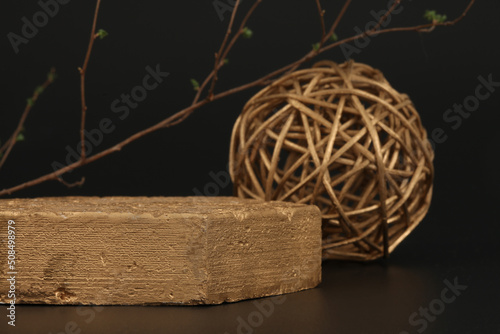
x=157 y=250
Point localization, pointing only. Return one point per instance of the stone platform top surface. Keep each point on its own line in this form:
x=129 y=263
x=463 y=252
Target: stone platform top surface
x=141 y=204
x=159 y=250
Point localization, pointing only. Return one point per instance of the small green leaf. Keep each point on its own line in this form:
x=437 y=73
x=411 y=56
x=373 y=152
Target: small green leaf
x=334 y=37
x=442 y=18
x=102 y=33
x=30 y=102
x=429 y=15
x=315 y=46
x=434 y=17
x=225 y=61
x=39 y=90
x=20 y=137
x=195 y=84
x=247 y=33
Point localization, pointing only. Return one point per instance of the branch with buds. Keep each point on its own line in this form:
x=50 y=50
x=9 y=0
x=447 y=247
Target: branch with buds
x=327 y=41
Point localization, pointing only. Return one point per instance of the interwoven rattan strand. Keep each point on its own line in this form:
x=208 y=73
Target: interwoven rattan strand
x=339 y=137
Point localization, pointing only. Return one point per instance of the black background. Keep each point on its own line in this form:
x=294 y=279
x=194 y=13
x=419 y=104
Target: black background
x=457 y=240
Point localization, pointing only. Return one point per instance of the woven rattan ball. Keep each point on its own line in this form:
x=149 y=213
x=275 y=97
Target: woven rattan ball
x=339 y=137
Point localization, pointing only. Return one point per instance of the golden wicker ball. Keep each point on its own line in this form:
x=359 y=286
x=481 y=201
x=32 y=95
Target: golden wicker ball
x=339 y=137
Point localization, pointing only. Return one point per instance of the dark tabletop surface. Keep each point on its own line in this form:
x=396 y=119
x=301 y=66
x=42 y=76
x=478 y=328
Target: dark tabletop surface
x=444 y=278
x=429 y=285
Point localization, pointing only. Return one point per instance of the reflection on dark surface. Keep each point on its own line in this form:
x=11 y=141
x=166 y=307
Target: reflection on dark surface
x=353 y=296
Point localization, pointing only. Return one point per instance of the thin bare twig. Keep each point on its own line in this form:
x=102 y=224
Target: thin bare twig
x=72 y=185
x=9 y=144
x=218 y=62
x=325 y=38
x=321 y=13
x=311 y=54
x=54 y=176
x=226 y=50
x=83 y=71
x=241 y=28
x=182 y=114
x=386 y=15
x=339 y=17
